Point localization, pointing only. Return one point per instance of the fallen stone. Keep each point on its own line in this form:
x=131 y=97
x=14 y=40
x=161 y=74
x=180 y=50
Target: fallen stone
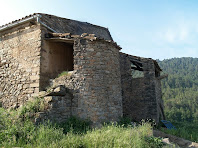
x=48 y=98
x=58 y=91
x=166 y=141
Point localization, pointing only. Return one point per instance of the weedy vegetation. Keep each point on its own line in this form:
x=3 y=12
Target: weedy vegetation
x=184 y=130
x=64 y=73
x=17 y=130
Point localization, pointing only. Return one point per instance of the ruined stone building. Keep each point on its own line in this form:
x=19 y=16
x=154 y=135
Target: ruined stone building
x=101 y=83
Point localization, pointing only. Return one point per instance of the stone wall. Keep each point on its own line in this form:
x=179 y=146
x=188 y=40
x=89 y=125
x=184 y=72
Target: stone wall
x=57 y=105
x=100 y=81
x=19 y=64
x=97 y=65
x=95 y=81
x=73 y=83
x=141 y=96
x=28 y=62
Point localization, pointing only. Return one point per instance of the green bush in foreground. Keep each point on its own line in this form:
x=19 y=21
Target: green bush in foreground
x=31 y=108
x=15 y=132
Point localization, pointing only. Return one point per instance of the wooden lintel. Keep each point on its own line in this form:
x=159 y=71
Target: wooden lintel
x=71 y=41
x=137 y=68
x=137 y=64
x=135 y=60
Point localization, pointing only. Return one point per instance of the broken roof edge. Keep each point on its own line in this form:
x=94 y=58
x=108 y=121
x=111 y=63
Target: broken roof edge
x=87 y=23
x=71 y=20
x=69 y=38
x=137 y=57
x=140 y=58
x=37 y=17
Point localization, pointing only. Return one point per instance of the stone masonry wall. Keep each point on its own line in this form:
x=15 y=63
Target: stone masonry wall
x=100 y=86
x=95 y=82
x=139 y=94
x=97 y=66
x=72 y=82
x=19 y=64
x=57 y=105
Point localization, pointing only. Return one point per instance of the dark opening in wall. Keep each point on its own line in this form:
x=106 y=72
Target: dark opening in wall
x=137 y=74
x=56 y=57
x=137 y=70
x=60 y=58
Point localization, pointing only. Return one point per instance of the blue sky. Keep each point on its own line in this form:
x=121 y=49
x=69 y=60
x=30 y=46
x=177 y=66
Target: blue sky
x=158 y=29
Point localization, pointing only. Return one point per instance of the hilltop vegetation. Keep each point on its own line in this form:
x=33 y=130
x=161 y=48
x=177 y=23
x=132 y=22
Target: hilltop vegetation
x=180 y=95
x=180 y=89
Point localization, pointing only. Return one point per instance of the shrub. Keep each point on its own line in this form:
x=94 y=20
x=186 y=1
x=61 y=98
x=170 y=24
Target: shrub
x=31 y=107
x=125 y=121
x=154 y=142
x=13 y=130
x=75 y=125
x=64 y=73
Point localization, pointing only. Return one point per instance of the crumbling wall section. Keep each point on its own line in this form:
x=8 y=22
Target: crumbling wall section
x=56 y=105
x=19 y=64
x=140 y=95
x=73 y=83
x=95 y=82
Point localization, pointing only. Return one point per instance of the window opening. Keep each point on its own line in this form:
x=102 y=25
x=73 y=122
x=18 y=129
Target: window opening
x=137 y=69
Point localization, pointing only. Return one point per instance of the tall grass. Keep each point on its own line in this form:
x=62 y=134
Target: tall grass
x=108 y=136
x=17 y=132
x=117 y=136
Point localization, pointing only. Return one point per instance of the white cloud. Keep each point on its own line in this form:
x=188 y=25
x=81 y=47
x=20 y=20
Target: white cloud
x=183 y=33
x=170 y=35
x=177 y=34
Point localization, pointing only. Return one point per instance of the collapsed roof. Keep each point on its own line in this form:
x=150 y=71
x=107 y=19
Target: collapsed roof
x=59 y=25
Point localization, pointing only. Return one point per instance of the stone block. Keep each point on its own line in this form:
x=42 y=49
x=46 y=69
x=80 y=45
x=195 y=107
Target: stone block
x=34 y=85
x=58 y=91
x=36 y=77
x=48 y=98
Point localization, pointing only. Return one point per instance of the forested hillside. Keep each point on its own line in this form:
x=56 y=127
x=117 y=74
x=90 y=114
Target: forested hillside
x=180 y=89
